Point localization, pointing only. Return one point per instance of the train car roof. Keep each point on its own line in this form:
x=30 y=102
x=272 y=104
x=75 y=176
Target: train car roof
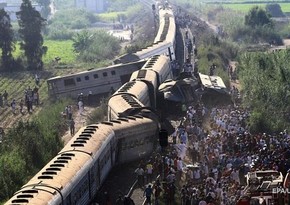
x=212 y=82
x=96 y=136
x=144 y=74
x=67 y=170
x=133 y=87
x=153 y=49
x=154 y=63
x=115 y=66
x=59 y=172
x=171 y=30
x=164 y=21
x=46 y=182
x=126 y=58
x=140 y=125
x=124 y=104
x=33 y=196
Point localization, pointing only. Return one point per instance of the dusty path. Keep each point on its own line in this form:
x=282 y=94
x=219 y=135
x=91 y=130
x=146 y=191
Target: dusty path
x=81 y=120
x=235 y=83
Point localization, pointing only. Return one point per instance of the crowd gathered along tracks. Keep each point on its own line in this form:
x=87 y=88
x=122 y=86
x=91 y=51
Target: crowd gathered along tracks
x=122 y=180
x=219 y=151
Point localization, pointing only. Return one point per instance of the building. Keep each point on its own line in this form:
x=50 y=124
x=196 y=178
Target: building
x=96 y=6
x=13 y=6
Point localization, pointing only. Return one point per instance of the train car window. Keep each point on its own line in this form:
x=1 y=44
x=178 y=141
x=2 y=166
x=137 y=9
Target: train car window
x=87 y=77
x=79 y=79
x=113 y=72
x=105 y=74
x=96 y=75
x=68 y=82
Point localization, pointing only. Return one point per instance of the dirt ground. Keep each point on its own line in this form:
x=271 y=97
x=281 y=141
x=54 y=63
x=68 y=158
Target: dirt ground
x=80 y=121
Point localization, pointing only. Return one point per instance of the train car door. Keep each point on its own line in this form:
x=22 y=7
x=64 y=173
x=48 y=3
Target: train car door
x=52 y=88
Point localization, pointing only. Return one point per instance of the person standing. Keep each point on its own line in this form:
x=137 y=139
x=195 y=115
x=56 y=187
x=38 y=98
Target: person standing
x=72 y=127
x=5 y=98
x=36 y=79
x=157 y=191
x=148 y=193
x=149 y=171
x=81 y=107
x=21 y=104
x=13 y=106
x=140 y=174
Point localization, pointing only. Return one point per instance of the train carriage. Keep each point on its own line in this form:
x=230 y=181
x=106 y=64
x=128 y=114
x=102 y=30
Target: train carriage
x=75 y=175
x=97 y=81
x=164 y=42
x=77 y=172
x=161 y=66
x=136 y=136
x=137 y=89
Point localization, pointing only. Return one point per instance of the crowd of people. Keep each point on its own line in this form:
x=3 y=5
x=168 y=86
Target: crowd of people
x=30 y=99
x=209 y=166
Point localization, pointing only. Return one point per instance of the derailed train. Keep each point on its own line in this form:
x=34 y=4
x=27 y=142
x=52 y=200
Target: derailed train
x=75 y=175
x=141 y=90
x=104 y=80
x=164 y=42
x=77 y=172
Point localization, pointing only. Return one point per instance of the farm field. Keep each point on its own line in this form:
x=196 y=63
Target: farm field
x=15 y=84
x=62 y=49
x=246 y=7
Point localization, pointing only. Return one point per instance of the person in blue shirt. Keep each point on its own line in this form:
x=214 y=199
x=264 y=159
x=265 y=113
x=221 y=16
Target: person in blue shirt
x=148 y=193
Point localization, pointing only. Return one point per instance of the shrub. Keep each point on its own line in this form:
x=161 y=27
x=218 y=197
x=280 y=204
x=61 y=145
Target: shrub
x=29 y=146
x=103 y=46
x=60 y=34
x=72 y=19
x=100 y=113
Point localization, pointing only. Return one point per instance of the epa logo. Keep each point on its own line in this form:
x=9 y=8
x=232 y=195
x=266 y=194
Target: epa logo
x=278 y=190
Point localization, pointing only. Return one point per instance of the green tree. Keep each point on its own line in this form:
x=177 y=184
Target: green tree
x=103 y=46
x=31 y=23
x=81 y=41
x=45 y=11
x=265 y=82
x=6 y=40
x=256 y=17
x=95 y=46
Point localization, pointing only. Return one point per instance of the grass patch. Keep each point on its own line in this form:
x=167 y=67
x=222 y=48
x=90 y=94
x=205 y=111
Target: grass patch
x=246 y=7
x=62 y=49
x=111 y=16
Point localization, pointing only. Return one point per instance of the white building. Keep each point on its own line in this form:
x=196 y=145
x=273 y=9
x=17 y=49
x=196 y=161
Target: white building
x=97 y=6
